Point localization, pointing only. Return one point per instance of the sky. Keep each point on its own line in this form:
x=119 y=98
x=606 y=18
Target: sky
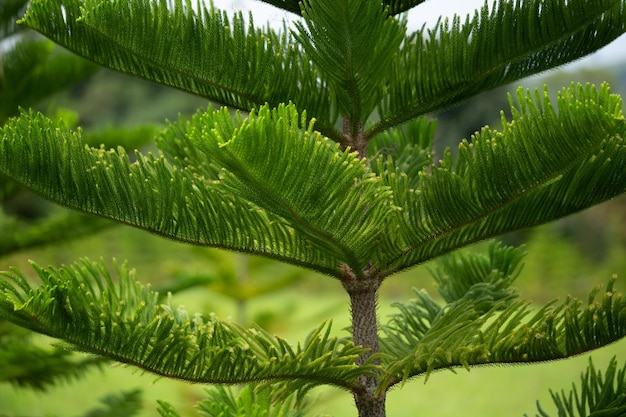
x=428 y=12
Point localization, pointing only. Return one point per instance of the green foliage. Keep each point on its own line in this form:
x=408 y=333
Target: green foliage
x=599 y=396
x=484 y=325
x=327 y=163
x=54 y=225
x=221 y=402
x=483 y=322
x=219 y=46
x=485 y=279
x=35 y=69
x=354 y=63
x=74 y=303
x=501 y=52
x=123 y=404
x=169 y=194
x=25 y=364
x=31 y=70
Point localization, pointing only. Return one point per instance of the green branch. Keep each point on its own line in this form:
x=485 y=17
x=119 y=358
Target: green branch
x=83 y=305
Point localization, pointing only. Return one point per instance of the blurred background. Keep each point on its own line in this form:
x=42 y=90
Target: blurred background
x=573 y=254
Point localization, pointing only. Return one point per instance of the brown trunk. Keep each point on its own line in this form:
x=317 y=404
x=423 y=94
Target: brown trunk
x=363 y=297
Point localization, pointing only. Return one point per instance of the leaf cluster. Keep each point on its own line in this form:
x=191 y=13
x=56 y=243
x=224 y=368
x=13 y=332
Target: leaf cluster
x=83 y=305
x=484 y=323
x=31 y=70
x=327 y=163
x=329 y=64
x=24 y=363
x=597 y=395
x=255 y=185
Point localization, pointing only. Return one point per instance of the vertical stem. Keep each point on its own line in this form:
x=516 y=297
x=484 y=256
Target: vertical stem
x=354 y=134
x=363 y=293
x=365 y=333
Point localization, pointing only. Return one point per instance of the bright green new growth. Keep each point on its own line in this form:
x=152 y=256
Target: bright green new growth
x=267 y=177
x=328 y=164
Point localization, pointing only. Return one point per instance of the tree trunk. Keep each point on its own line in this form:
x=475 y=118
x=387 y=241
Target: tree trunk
x=363 y=297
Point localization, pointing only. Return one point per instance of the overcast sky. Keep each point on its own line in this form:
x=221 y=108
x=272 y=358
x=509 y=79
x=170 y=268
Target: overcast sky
x=427 y=12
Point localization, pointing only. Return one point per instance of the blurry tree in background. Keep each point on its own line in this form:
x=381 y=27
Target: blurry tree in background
x=32 y=71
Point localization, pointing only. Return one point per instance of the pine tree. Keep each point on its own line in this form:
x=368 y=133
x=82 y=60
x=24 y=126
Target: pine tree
x=327 y=164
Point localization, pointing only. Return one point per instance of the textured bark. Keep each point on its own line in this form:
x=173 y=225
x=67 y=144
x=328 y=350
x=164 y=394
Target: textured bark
x=363 y=297
x=355 y=137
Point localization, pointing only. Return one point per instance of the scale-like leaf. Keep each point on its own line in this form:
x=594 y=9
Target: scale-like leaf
x=545 y=164
x=121 y=319
x=439 y=67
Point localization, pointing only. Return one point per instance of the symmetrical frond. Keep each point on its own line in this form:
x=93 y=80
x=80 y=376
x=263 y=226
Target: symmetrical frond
x=545 y=164
x=352 y=61
x=263 y=185
x=439 y=67
x=282 y=192
x=200 y=51
x=208 y=64
x=124 y=321
x=599 y=396
x=486 y=279
x=56 y=226
x=424 y=337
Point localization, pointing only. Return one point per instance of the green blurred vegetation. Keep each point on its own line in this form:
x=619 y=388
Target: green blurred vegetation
x=573 y=253
x=292 y=312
